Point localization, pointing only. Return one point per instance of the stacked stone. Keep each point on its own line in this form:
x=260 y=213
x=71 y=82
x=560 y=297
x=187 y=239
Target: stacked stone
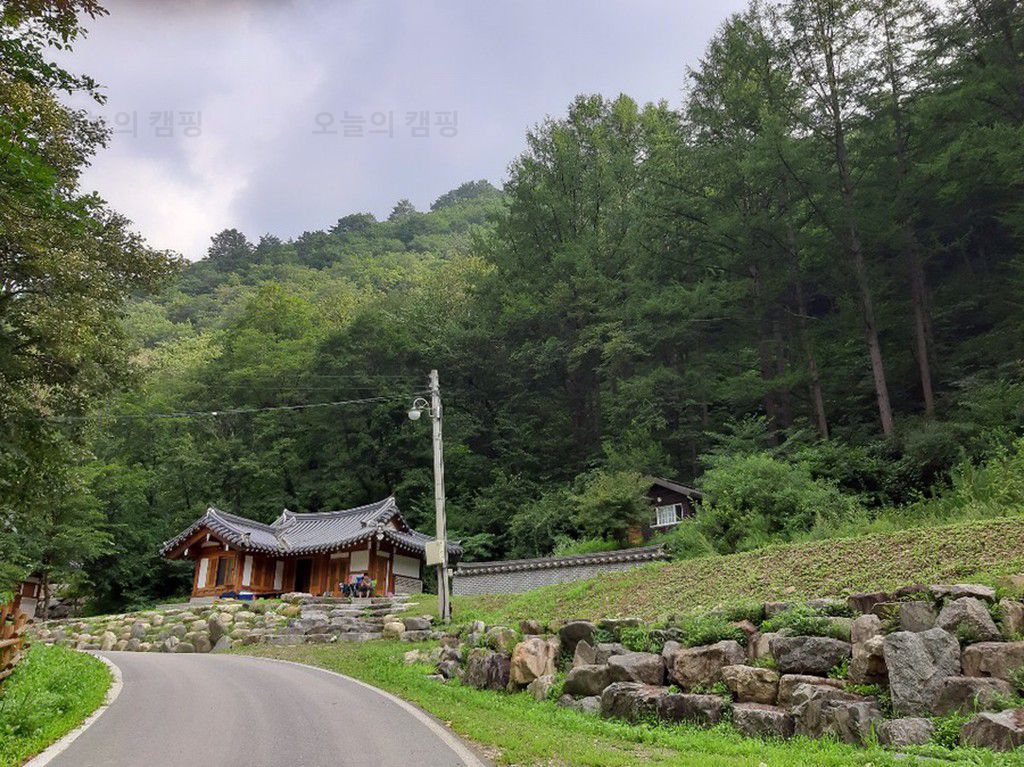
x=932 y=650
x=296 y=619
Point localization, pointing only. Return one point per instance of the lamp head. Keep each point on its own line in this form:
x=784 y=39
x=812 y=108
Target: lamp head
x=415 y=413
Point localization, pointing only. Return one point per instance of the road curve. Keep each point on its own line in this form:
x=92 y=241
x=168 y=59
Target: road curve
x=236 y=711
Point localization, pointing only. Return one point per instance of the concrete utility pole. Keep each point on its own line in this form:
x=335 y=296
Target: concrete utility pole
x=443 y=600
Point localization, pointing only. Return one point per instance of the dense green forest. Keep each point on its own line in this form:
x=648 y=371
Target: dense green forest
x=801 y=291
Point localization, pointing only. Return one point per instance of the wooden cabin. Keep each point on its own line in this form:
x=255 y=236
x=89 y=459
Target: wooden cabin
x=671 y=503
x=313 y=553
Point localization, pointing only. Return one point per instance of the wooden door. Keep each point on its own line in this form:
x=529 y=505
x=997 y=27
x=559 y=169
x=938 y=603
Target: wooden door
x=379 y=573
x=337 y=573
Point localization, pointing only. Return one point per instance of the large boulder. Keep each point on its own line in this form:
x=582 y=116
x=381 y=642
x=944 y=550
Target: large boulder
x=752 y=685
x=185 y=647
x=532 y=658
x=587 y=680
x=760 y=646
x=139 y=629
x=487 y=670
x=202 y=643
x=584 y=655
x=450 y=669
x=631 y=701
x=995 y=659
x=501 y=639
x=177 y=630
x=393 y=630
x=864 y=627
x=416 y=623
x=704 y=710
x=701 y=666
x=898 y=733
x=668 y=654
x=822 y=710
x=1000 y=732
x=169 y=644
x=108 y=640
x=644 y=667
x=959 y=590
x=588 y=705
x=573 y=631
x=917 y=663
x=809 y=655
x=530 y=627
x=604 y=650
x=614 y=626
x=916 y=616
x=1012 y=618
x=865 y=602
x=788 y=683
x=967 y=694
x=868 y=663
x=222 y=645
x=757 y=720
x=969 y=619
x=540 y=686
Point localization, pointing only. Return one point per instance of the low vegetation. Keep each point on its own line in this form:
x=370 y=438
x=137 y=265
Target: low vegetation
x=978 y=551
x=50 y=693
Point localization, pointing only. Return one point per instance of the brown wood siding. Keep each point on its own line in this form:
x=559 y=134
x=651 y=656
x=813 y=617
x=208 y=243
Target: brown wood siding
x=326 y=574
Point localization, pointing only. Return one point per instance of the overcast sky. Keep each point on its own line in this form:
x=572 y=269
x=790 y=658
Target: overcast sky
x=262 y=78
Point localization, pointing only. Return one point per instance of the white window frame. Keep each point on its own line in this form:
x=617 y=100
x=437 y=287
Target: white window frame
x=662 y=518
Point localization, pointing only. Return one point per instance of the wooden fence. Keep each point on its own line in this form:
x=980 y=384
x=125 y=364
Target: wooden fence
x=12 y=638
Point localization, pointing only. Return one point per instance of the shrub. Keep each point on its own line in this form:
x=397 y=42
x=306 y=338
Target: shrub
x=1017 y=679
x=803 y=620
x=607 y=504
x=567 y=547
x=947 y=730
x=708 y=629
x=685 y=541
x=639 y=639
x=755 y=499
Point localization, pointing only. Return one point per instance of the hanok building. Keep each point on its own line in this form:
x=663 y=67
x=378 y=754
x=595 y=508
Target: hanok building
x=312 y=553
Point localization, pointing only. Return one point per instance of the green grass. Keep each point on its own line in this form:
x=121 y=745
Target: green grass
x=976 y=551
x=515 y=729
x=50 y=693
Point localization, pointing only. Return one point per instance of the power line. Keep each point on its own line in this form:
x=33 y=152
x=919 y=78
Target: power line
x=236 y=410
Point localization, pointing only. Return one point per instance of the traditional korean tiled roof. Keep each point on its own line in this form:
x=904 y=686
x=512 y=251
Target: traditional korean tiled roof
x=318 y=532
x=643 y=554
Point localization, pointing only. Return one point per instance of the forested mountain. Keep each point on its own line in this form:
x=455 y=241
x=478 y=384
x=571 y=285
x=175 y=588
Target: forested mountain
x=801 y=291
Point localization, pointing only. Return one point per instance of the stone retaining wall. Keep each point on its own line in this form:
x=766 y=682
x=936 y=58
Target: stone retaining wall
x=875 y=667
x=296 y=619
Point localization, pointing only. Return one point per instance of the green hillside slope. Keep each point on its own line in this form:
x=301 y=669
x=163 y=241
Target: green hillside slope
x=966 y=551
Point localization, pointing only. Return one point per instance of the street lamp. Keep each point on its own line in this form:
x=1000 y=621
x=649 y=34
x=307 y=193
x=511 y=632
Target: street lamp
x=440 y=555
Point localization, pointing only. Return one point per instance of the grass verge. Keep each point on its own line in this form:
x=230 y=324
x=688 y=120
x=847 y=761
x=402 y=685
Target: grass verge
x=975 y=551
x=50 y=693
x=516 y=730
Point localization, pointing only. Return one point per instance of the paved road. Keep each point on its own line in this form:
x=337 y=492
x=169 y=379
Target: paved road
x=229 y=710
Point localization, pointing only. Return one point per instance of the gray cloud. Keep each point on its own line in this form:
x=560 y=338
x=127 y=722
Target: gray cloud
x=259 y=73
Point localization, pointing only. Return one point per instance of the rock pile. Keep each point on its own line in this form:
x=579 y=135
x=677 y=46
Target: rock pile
x=295 y=619
x=876 y=665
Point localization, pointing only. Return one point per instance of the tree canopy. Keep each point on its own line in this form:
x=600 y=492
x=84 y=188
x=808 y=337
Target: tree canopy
x=799 y=290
